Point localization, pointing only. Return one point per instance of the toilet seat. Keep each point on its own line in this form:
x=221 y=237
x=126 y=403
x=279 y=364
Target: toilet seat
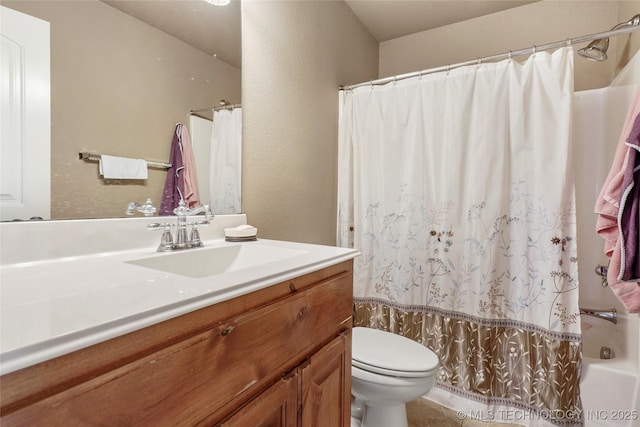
x=389 y=354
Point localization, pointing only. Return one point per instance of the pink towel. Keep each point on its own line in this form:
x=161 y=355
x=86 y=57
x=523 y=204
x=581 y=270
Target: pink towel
x=608 y=206
x=191 y=192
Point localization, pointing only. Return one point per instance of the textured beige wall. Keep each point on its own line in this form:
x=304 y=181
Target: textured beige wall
x=626 y=45
x=118 y=86
x=295 y=55
x=533 y=24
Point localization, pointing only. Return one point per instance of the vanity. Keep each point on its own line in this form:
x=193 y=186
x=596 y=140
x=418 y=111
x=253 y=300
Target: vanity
x=260 y=336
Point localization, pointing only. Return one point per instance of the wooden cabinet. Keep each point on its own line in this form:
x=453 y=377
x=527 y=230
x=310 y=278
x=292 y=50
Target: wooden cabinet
x=317 y=393
x=275 y=407
x=325 y=397
x=280 y=356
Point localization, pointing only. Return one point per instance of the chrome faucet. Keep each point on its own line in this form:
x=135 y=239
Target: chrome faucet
x=181 y=212
x=183 y=240
x=147 y=209
x=608 y=315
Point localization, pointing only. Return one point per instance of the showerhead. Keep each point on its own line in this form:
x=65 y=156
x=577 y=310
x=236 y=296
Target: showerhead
x=597 y=49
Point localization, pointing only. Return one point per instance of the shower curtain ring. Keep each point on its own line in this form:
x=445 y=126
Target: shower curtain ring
x=533 y=50
x=509 y=57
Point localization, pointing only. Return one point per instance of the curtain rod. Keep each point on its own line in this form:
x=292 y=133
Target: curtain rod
x=507 y=55
x=223 y=107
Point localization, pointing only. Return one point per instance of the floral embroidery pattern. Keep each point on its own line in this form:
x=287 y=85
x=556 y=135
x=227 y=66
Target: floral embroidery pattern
x=501 y=261
x=510 y=268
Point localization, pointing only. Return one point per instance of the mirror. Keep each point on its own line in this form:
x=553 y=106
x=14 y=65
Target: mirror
x=123 y=74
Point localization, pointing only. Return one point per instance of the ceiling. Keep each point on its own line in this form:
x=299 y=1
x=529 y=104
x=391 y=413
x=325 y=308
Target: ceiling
x=212 y=29
x=390 y=19
x=216 y=30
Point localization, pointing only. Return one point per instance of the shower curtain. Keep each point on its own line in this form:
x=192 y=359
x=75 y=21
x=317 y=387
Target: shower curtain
x=226 y=162
x=457 y=189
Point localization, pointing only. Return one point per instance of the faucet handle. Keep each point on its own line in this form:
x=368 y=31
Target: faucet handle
x=131 y=207
x=159 y=226
x=207 y=213
x=166 y=241
x=194 y=238
x=147 y=209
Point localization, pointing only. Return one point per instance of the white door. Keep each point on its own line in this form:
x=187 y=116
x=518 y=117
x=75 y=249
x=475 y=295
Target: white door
x=25 y=117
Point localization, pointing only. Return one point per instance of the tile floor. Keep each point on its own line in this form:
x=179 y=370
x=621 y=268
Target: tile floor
x=424 y=413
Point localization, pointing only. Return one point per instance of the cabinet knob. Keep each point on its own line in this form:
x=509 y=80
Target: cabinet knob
x=226 y=331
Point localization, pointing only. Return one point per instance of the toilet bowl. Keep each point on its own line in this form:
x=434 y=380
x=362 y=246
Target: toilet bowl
x=387 y=371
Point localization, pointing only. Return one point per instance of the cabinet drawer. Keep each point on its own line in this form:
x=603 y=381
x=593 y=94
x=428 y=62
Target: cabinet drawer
x=205 y=377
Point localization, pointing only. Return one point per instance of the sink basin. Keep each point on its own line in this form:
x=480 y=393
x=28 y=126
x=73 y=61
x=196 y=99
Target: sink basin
x=206 y=262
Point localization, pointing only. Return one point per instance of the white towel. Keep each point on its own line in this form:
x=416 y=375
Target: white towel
x=112 y=167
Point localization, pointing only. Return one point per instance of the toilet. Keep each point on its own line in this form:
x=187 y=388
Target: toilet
x=387 y=371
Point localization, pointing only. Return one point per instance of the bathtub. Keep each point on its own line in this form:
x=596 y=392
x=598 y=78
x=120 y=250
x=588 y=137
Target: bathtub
x=610 y=388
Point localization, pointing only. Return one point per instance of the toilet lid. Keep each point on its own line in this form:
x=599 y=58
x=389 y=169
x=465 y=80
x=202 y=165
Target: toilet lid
x=390 y=354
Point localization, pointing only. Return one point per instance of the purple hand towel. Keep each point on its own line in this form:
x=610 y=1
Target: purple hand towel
x=174 y=185
x=630 y=209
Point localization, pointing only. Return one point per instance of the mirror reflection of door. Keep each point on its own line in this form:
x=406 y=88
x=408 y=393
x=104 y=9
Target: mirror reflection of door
x=25 y=117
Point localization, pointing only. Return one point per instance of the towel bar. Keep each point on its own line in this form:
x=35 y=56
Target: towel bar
x=92 y=157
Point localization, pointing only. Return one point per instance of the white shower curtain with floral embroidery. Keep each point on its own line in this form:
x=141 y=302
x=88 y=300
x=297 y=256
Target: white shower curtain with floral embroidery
x=225 y=172
x=457 y=189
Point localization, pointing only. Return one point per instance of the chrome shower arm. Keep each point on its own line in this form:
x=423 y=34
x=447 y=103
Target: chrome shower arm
x=633 y=21
x=597 y=49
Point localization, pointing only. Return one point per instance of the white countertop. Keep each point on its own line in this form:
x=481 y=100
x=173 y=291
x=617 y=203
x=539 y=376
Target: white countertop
x=55 y=306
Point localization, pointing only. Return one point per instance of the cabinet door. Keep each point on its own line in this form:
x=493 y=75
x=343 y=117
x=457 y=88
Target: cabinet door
x=275 y=407
x=326 y=385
